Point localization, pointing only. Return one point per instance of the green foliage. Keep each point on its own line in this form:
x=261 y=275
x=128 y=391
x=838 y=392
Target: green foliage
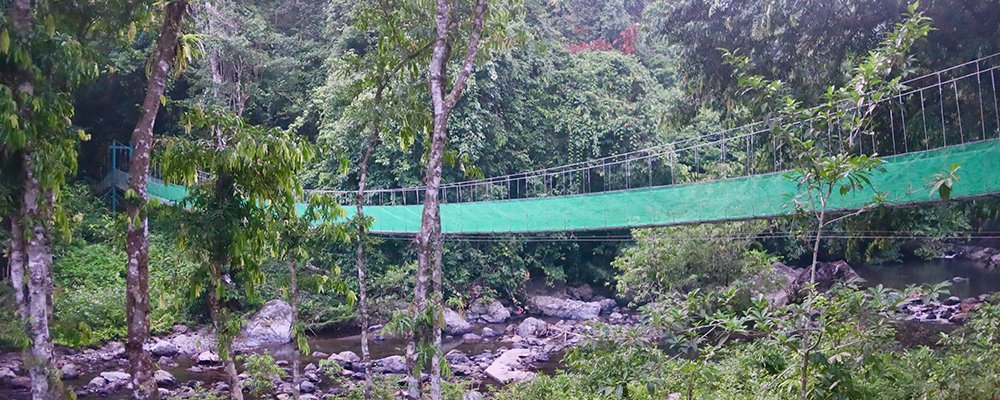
x=261 y=371
x=664 y=260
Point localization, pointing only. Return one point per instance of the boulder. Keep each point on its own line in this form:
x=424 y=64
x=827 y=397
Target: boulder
x=507 y=367
x=492 y=312
x=345 y=358
x=455 y=324
x=781 y=288
x=307 y=387
x=390 y=365
x=583 y=292
x=489 y=332
x=827 y=273
x=271 y=325
x=164 y=348
x=532 y=327
x=70 y=371
x=471 y=337
x=164 y=378
x=110 y=381
x=208 y=358
x=7 y=374
x=565 y=308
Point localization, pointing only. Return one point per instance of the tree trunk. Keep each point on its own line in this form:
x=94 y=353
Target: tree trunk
x=36 y=217
x=293 y=300
x=359 y=253
x=137 y=305
x=428 y=239
x=223 y=341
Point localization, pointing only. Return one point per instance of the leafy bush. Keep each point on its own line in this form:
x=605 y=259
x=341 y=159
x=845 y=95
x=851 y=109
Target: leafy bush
x=683 y=258
x=261 y=371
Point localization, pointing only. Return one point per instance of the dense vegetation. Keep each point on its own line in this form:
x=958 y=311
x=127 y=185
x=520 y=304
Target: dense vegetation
x=270 y=97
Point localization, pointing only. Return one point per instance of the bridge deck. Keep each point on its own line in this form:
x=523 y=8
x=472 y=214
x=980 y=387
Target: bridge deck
x=905 y=182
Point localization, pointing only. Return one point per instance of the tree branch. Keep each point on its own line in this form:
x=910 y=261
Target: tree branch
x=470 y=56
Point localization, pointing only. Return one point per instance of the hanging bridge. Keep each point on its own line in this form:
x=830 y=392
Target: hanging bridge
x=945 y=118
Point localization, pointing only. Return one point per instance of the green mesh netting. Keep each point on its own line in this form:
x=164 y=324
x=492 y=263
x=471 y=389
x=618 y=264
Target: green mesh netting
x=905 y=181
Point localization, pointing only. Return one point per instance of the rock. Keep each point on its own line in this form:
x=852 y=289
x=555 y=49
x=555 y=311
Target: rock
x=780 y=290
x=507 y=367
x=310 y=367
x=492 y=312
x=345 y=358
x=70 y=371
x=208 y=358
x=164 y=378
x=319 y=354
x=7 y=374
x=473 y=395
x=166 y=362
x=951 y=301
x=827 y=273
x=959 y=279
x=565 y=308
x=583 y=292
x=390 y=365
x=180 y=328
x=164 y=348
x=490 y=332
x=271 y=325
x=308 y=397
x=471 y=337
x=607 y=305
x=110 y=381
x=455 y=324
x=306 y=387
x=532 y=327
x=21 y=382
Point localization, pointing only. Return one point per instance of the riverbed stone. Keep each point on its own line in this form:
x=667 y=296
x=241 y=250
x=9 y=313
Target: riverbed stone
x=455 y=324
x=490 y=312
x=531 y=327
x=827 y=273
x=164 y=378
x=307 y=387
x=269 y=326
x=565 y=308
x=489 y=332
x=70 y=371
x=390 y=365
x=507 y=367
x=208 y=358
x=164 y=348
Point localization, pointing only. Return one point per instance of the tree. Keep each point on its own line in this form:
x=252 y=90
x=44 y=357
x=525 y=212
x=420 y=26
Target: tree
x=229 y=215
x=818 y=170
x=46 y=52
x=428 y=239
x=137 y=237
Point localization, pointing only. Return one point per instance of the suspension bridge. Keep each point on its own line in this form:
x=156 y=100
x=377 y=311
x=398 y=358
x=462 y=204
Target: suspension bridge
x=945 y=118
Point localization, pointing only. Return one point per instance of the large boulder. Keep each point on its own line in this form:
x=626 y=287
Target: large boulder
x=509 y=367
x=492 y=312
x=454 y=324
x=531 y=327
x=565 y=308
x=827 y=273
x=271 y=325
x=70 y=371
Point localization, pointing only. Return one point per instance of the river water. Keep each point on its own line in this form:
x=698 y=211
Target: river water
x=974 y=279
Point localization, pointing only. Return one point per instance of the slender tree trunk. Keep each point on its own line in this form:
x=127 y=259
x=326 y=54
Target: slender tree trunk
x=359 y=251
x=429 y=237
x=293 y=300
x=31 y=249
x=36 y=217
x=223 y=341
x=137 y=305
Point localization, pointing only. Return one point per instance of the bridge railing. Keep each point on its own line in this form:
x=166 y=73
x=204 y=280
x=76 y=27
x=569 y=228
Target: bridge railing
x=955 y=105
x=952 y=106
